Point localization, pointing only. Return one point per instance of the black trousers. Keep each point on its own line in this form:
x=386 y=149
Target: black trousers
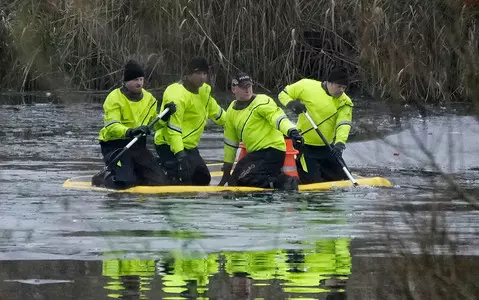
x=260 y=168
x=320 y=165
x=137 y=166
x=198 y=171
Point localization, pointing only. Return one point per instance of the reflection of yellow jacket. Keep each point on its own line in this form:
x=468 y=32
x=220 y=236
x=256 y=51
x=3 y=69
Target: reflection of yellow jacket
x=301 y=269
x=189 y=268
x=260 y=265
x=329 y=258
x=116 y=268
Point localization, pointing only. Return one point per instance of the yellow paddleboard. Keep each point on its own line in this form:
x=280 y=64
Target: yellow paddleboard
x=84 y=182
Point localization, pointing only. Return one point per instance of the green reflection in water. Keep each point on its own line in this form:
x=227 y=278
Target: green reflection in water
x=321 y=269
x=128 y=276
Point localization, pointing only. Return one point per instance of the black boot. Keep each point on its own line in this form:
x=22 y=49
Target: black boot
x=99 y=179
x=286 y=183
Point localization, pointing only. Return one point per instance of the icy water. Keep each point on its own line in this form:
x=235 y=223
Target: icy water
x=57 y=243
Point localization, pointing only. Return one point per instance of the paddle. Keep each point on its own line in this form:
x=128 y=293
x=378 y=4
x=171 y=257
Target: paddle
x=340 y=161
x=128 y=146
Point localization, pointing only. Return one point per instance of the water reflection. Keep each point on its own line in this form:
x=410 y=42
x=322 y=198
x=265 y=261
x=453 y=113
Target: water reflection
x=321 y=270
x=45 y=143
x=130 y=279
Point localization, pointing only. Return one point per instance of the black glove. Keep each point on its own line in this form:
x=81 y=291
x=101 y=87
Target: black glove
x=296 y=106
x=337 y=150
x=172 y=110
x=132 y=132
x=183 y=166
x=298 y=140
x=226 y=174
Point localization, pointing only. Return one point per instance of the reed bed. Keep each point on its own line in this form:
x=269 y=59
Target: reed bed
x=403 y=51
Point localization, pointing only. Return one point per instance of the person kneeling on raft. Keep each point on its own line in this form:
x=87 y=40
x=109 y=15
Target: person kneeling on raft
x=259 y=123
x=177 y=143
x=331 y=109
x=127 y=112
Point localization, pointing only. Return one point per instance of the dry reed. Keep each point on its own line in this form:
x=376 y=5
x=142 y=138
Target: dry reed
x=408 y=51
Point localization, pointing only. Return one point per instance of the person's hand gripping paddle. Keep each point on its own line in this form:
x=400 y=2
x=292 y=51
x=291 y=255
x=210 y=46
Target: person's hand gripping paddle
x=101 y=174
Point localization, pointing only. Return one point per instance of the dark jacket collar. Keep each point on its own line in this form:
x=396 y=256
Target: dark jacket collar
x=239 y=105
x=130 y=95
x=324 y=85
x=189 y=86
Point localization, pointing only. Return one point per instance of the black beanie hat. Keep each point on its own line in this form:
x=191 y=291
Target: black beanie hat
x=339 y=75
x=197 y=64
x=132 y=71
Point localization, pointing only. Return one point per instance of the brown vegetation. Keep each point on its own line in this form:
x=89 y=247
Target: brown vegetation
x=406 y=51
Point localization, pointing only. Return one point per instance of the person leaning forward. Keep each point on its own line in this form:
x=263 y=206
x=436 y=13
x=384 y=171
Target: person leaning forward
x=331 y=109
x=127 y=112
x=177 y=143
x=259 y=123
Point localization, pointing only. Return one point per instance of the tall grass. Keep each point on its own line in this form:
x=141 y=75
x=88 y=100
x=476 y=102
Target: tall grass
x=419 y=51
x=406 y=51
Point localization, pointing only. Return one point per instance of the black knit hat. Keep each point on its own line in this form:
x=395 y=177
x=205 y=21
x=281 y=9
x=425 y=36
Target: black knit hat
x=339 y=75
x=132 y=71
x=197 y=64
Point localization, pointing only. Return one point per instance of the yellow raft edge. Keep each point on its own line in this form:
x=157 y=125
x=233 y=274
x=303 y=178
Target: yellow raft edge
x=80 y=183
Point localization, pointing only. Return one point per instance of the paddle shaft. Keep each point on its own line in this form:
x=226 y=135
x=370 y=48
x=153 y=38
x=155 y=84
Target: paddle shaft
x=340 y=161
x=134 y=140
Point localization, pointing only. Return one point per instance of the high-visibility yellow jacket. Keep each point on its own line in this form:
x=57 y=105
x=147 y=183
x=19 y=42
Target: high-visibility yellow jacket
x=121 y=114
x=332 y=115
x=259 y=125
x=185 y=127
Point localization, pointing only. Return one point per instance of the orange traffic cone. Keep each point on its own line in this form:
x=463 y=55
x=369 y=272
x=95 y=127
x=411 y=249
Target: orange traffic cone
x=289 y=165
x=242 y=152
